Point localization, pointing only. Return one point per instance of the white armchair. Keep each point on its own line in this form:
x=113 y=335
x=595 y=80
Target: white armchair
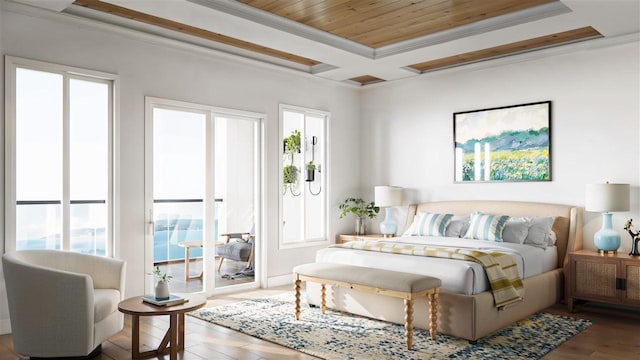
x=62 y=304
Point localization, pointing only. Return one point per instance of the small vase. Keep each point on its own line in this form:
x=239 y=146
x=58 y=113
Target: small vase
x=360 y=226
x=162 y=290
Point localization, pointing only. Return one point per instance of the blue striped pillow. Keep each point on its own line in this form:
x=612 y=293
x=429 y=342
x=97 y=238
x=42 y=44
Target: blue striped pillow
x=486 y=227
x=428 y=224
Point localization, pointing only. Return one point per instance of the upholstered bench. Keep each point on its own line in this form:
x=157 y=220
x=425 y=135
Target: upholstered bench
x=385 y=282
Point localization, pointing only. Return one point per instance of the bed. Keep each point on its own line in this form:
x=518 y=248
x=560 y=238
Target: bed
x=467 y=308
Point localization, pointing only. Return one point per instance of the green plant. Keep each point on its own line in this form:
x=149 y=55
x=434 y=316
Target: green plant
x=311 y=166
x=359 y=208
x=289 y=174
x=292 y=143
x=164 y=277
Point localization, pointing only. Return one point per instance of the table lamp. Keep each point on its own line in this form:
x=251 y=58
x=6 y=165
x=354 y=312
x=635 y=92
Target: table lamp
x=607 y=198
x=387 y=197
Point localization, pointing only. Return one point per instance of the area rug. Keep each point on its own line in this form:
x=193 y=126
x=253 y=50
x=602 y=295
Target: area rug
x=338 y=335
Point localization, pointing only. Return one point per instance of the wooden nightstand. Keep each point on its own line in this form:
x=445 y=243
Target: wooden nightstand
x=343 y=238
x=608 y=278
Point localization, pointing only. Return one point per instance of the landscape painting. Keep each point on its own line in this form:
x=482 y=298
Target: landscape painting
x=511 y=143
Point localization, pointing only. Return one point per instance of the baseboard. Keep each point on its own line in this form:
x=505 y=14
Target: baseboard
x=5 y=326
x=280 y=280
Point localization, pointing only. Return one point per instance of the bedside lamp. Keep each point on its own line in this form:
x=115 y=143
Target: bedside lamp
x=387 y=197
x=607 y=198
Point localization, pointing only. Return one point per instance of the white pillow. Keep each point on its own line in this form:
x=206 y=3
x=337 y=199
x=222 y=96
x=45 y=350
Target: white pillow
x=539 y=230
x=486 y=227
x=515 y=231
x=458 y=226
x=428 y=224
x=552 y=238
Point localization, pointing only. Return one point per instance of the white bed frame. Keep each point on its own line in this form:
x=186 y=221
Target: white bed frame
x=473 y=316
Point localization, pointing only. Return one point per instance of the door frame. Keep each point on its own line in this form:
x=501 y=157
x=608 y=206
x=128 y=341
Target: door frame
x=209 y=267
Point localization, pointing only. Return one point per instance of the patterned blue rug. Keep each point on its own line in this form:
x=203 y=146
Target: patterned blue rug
x=338 y=335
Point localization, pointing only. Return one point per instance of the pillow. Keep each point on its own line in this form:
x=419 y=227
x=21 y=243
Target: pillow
x=552 y=238
x=428 y=224
x=458 y=226
x=539 y=230
x=515 y=231
x=486 y=227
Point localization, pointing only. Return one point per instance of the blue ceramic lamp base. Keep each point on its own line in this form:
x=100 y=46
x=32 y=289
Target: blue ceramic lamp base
x=607 y=240
x=388 y=227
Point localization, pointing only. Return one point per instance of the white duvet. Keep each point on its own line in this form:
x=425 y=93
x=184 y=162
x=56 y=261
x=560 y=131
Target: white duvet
x=458 y=276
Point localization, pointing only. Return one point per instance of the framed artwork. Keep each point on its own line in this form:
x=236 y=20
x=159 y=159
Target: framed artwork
x=510 y=143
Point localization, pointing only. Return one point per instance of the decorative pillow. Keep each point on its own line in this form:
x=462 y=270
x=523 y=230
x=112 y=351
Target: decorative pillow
x=486 y=227
x=552 y=238
x=458 y=226
x=515 y=231
x=539 y=230
x=428 y=224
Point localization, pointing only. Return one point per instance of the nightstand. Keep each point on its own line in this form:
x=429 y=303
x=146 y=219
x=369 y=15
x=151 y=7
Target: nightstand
x=343 y=238
x=607 y=278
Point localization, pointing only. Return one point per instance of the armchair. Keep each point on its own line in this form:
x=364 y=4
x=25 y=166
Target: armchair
x=237 y=247
x=62 y=304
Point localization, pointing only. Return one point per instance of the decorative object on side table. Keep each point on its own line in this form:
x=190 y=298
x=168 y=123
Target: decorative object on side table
x=162 y=286
x=361 y=210
x=607 y=198
x=387 y=197
x=635 y=238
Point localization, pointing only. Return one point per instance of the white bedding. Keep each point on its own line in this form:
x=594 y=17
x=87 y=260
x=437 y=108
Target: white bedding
x=458 y=276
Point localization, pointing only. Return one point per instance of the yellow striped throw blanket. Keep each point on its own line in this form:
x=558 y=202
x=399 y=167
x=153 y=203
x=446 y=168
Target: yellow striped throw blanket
x=501 y=269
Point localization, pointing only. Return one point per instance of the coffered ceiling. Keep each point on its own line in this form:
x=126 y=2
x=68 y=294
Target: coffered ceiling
x=367 y=41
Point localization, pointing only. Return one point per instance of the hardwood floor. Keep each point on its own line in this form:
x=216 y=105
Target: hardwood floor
x=615 y=334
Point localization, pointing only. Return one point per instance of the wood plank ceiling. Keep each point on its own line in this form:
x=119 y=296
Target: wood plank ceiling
x=375 y=24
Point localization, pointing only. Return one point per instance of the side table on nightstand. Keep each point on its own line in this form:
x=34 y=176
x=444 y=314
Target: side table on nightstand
x=607 y=278
x=343 y=238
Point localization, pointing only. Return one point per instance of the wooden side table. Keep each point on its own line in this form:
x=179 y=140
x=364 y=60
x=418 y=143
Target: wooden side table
x=173 y=340
x=343 y=238
x=607 y=278
x=187 y=245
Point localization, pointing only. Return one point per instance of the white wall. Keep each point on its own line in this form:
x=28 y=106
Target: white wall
x=155 y=69
x=408 y=128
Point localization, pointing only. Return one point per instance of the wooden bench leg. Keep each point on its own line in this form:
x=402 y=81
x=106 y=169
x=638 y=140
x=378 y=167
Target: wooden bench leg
x=408 y=322
x=433 y=314
x=323 y=298
x=298 y=299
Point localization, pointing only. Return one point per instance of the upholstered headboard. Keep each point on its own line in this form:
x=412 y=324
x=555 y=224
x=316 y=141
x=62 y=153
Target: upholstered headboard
x=567 y=224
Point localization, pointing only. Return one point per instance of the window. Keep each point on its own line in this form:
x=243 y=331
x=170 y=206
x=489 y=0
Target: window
x=303 y=176
x=59 y=158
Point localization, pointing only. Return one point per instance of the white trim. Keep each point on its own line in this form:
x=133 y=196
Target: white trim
x=211 y=112
x=324 y=174
x=280 y=280
x=5 y=326
x=68 y=72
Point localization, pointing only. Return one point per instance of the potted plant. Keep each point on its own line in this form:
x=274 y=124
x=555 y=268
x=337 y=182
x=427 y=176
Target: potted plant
x=361 y=209
x=162 y=286
x=311 y=170
x=290 y=172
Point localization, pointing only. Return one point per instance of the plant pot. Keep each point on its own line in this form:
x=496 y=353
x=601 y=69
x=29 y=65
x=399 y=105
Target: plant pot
x=162 y=290
x=311 y=175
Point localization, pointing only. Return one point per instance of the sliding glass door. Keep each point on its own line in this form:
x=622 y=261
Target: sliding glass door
x=202 y=194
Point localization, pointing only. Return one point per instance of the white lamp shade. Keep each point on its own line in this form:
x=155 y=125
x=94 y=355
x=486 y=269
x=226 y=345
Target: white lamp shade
x=386 y=196
x=607 y=197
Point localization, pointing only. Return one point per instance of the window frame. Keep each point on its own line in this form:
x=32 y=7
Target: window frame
x=324 y=174
x=68 y=73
